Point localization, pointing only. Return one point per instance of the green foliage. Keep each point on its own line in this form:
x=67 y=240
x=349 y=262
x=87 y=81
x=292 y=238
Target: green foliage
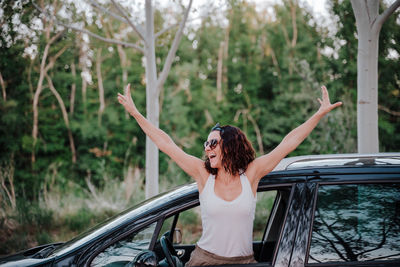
x=33 y=215
x=16 y=241
x=189 y=218
x=44 y=238
x=80 y=220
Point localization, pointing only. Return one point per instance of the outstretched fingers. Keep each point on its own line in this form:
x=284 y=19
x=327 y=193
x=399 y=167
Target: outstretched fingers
x=325 y=102
x=127 y=91
x=337 y=104
x=123 y=98
x=325 y=94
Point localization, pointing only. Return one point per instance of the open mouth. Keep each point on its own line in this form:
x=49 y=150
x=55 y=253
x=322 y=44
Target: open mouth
x=211 y=156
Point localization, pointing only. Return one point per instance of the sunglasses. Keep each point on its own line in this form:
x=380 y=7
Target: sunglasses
x=212 y=143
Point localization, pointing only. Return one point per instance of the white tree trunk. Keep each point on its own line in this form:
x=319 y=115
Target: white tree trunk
x=152 y=104
x=102 y=105
x=367 y=76
x=369 y=23
x=73 y=90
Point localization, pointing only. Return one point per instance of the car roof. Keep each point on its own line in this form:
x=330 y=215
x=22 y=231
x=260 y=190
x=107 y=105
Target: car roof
x=338 y=160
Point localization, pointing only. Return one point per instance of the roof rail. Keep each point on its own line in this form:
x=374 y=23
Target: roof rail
x=332 y=160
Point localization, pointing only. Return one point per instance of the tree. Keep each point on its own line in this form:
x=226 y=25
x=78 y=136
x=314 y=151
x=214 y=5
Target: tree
x=44 y=69
x=369 y=23
x=154 y=81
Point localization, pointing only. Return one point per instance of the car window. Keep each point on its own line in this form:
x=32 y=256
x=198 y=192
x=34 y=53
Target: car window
x=358 y=222
x=189 y=223
x=125 y=250
x=274 y=205
x=166 y=226
x=265 y=201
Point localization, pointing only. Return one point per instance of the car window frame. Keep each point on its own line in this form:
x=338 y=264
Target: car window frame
x=386 y=179
x=274 y=186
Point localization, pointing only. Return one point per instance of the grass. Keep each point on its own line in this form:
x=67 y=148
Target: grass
x=62 y=212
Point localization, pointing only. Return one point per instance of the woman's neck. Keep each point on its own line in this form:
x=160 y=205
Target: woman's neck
x=226 y=177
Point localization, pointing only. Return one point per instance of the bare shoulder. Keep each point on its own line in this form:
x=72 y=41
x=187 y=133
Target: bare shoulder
x=260 y=167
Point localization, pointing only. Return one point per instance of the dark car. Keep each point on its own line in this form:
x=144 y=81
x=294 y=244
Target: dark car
x=328 y=210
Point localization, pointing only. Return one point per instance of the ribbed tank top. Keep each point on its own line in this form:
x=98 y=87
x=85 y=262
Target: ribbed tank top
x=227 y=225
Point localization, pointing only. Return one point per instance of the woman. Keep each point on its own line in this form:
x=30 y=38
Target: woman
x=227 y=181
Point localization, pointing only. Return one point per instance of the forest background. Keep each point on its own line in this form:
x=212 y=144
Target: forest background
x=258 y=69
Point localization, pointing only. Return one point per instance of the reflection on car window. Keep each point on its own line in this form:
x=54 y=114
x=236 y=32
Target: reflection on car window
x=356 y=223
x=126 y=249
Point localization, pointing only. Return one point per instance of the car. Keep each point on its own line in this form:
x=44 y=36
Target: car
x=321 y=210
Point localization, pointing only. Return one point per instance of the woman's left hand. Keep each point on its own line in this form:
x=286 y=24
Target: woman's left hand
x=326 y=105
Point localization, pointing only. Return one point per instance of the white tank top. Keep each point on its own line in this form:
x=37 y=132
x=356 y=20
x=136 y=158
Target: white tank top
x=227 y=225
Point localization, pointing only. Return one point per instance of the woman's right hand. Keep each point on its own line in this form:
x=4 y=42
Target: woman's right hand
x=126 y=100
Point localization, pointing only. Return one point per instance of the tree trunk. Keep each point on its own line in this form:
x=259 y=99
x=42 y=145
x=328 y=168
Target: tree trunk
x=124 y=65
x=83 y=57
x=3 y=88
x=73 y=90
x=100 y=85
x=36 y=101
x=369 y=23
x=152 y=104
x=367 y=77
x=219 y=71
x=43 y=71
x=65 y=117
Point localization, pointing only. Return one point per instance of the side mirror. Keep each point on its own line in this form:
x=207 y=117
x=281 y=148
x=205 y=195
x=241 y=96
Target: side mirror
x=177 y=236
x=146 y=258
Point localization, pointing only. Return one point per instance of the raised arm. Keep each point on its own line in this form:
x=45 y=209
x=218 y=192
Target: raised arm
x=191 y=165
x=266 y=163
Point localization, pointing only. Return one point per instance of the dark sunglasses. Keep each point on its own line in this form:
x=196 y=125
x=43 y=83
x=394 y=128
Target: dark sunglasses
x=212 y=143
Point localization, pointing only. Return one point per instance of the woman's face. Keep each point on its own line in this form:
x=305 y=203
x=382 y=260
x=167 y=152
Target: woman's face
x=214 y=153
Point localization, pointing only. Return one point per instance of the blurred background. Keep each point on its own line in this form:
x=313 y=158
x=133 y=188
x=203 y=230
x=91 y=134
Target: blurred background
x=71 y=157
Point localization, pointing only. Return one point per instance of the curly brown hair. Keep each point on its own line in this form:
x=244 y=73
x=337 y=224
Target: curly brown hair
x=237 y=151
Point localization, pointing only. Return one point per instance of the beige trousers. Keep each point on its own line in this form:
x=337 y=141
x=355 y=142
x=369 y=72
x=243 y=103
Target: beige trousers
x=201 y=257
